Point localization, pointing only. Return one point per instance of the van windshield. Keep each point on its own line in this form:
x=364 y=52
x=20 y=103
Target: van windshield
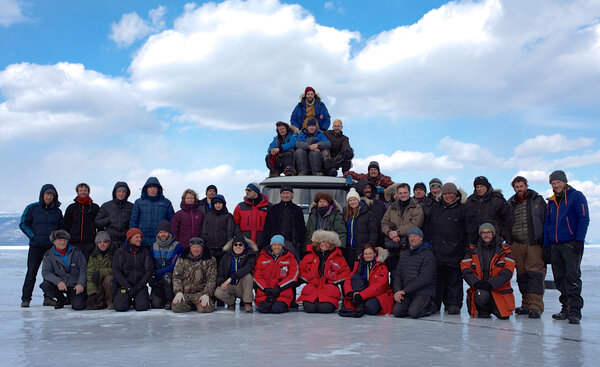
x=304 y=196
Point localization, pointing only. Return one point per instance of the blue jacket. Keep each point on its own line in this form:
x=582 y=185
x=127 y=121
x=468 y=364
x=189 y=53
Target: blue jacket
x=299 y=113
x=288 y=143
x=39 y=221
x=317 y=137
x=568 y=219
x=165 y=257
x=148 y=211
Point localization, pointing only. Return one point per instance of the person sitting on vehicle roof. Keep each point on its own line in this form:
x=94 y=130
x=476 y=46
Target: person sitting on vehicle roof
x=309 y=146
x=374 y=175
x=280 y=155
x=310 y=107
x=340 y=154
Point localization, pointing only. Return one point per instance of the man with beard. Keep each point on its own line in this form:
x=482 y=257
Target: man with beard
x=310 y=107
x=368 y=194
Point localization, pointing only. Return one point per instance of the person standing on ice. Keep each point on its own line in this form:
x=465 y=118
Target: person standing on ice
x=38 y=221
x=310 y=107
x=187 y=222
x=79 y=220
x=114 y=215
x=488 y=268
x=150 y=209
x=206 y=204
x=567 y=221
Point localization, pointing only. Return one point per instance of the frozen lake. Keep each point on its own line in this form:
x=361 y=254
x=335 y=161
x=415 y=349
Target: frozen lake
x=43 y=336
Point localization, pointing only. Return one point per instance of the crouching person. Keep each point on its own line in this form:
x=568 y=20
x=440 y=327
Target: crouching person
x=132 y=268
x=275 y=274
x=368 y=289
x=234 y=276
x=165 y=252
x=194 y=279
x=323 y=269
x=488 y=268
x=99 y=273
x=64 y=272
x=414 y=278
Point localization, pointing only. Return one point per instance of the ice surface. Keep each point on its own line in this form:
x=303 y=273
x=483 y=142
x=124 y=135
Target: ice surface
x=42 y=336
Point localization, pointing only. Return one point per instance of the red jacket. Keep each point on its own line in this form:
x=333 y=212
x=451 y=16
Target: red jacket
x=381 y=180
x=270 y=272
x=325 y=288
x=250 y=219
x=379 y=284
x=501 y=269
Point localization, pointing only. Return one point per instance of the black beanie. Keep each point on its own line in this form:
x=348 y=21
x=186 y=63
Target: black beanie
x=420 y=185
x=164 y=225
x=212 y=187
x=558 y=175
x=481 y=180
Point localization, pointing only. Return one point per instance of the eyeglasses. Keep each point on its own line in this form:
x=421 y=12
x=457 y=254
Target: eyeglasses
x=487 y=232
x=238 y=244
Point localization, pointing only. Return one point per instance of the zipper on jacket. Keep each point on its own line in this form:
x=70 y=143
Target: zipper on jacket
x=569 y=225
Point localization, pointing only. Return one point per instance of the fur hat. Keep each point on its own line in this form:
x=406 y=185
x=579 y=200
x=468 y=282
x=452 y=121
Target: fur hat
x=286 y=187
x=59 y=234
x=132 y=232
x=321 y=235
x=102 y=236
x=558 y=175
x=449 y=188
x=352 y=194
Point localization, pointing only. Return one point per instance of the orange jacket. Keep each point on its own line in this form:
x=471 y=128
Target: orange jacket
x=501 y=269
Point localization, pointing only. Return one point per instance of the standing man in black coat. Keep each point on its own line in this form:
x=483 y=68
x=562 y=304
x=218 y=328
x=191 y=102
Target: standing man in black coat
x=114 y=215
x=286 y=219
x=79 y=220
x=38 y=221
x=488 y=206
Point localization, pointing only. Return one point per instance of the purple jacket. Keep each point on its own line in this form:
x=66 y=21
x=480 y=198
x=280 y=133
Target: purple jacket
x=187 y=223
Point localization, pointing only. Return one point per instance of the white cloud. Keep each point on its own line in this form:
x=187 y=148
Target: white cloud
x=544 y=144
x=337 y=6
x=132 y=27
x=534 y=176
x=42 y=101
x=469 y=154
x=404 y=160
x=11 y=13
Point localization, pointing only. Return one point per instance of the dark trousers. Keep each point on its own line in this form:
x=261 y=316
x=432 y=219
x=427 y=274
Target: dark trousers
x=34 y=260
x=372 y=306
x=414 y=306
x=566 y=267
x=332 y=161
x=318 y=307
x=78 y=301
x=162 y=293
x=449 y=287
x=351 y=255
x=86 y=248
x=122 y=302
x=272 y=307
x=484 y=302
x=308 y=160
x=280 y=162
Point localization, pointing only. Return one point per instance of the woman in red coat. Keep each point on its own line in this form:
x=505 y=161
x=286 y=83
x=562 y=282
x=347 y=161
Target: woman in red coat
x=323 y=269
x=368 y=290
x=275 y=274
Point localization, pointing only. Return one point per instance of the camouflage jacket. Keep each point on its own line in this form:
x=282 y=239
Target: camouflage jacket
x=195 y=276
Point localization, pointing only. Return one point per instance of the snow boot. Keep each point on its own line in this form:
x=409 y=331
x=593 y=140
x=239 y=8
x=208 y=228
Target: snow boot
x=49 y=301
x=24 y=304
x=248 y=307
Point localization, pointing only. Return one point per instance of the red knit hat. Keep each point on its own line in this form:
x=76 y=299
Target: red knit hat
x=308 y=89
x=132 y=232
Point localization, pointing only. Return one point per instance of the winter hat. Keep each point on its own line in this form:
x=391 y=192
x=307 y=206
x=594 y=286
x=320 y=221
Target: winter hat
x=121 y=188
x=132 y=232
x=60 y=234
x=420 y=185
x=254 y=187
x=435 y=182
x=50 y=192
x=321 y=235
x=558 y=175
x=164 y=225
x=239 y=238
x=487 y=226
x=352 y=194
x=196 y=241
x=481 y=180
x=373 y=164
x=415 y=230
x=277 y=239
x=449 y=188
x=308 y=89
x=286 y=188
x=211 y=187
x=102 y=236
x=218 y=199
x=311 y=122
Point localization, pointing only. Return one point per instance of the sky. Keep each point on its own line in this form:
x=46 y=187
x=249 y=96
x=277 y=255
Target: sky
x=100 y=92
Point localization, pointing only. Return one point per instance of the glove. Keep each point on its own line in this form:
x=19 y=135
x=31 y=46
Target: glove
x=91 y=301
x=130 y=292
x=276 y=291
x=96 y=276
x=357 y=299
x=137 y=289
x=204 y=300
x=349 y=180
x=547 y=254
x=483 y=284
x=178 y=298
x=380 y=190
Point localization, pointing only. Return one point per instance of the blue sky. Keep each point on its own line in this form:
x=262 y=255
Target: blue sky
x=188 y=92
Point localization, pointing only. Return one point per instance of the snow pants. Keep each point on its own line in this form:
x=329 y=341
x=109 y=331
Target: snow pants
x=414 y=306
x=449 y=287
x=78 y=301
x=280 y=162
x=122 y=302
x=192 y=302
x=308 y=160
x=162 y=293
x=242 y=290
x=566 y=267
x=34 y=260
x=318 y=307
x=531 y=272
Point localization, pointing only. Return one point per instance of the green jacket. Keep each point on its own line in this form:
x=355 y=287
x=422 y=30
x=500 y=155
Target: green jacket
x=101 y=263
x=331 y=221
x=195 y=276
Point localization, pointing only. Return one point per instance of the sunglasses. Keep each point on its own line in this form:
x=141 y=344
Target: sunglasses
x=238 y=244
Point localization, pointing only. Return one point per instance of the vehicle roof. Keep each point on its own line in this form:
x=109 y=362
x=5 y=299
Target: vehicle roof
x=306 y=181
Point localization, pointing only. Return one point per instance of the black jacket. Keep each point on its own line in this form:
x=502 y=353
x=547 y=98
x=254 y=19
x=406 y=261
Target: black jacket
x=366 y=229
x=79 y=222
x=416 y=271
x=131 y=269
x=339 y=142
x=286 y=219
x=113 y=216
x=376 y=207
x=39 y=221
x=428 y=202
x=536 y=216
x=450 y=229
x=217 y=229
x=247 y=262
x=491 y=208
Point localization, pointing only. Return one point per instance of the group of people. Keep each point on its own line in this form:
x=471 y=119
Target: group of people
x=384 y=252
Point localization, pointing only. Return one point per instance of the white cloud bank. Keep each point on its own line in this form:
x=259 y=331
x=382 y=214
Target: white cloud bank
x=11 y=13
x=132 y=27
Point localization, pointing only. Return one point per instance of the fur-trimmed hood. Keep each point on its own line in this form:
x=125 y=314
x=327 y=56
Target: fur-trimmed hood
x=249 y=242
x=303 y=97
x=382 y=254
x=321 y=235
x=336 y=205
x=388 y=193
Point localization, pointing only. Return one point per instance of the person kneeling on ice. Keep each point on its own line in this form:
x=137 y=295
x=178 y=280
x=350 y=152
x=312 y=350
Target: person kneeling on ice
x=234 y=276
x=414 y=278
x=195 y=279
x=323 y=269
x=488 y=268
x=64 y=271
x=368 y=289
x=99 y=273
x=275 y=274
x=132 y=268
x=165 y=252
